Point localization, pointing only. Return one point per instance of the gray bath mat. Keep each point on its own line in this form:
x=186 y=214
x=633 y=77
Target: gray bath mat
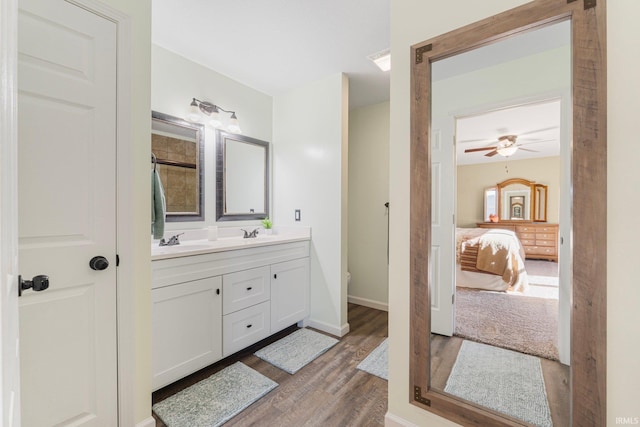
x=502 y=380
x=296 y=350
x=377 y=362
x=215 y=400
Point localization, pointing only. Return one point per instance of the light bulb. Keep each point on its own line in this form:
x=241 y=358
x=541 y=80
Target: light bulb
x=194 y=112
x=215 y=119
x=234 y=125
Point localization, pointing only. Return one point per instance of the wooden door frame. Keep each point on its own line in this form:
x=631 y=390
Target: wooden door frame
x=589 y=209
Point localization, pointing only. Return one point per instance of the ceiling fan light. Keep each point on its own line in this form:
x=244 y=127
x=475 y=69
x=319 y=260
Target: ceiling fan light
x=507 y=151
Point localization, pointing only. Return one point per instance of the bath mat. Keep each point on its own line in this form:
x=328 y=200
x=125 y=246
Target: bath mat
x=215 y=400
x=296 y=350
x=502 y=380
x=377 y=362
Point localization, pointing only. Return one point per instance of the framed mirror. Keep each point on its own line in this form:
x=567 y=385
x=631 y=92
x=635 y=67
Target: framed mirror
x=515 y=201
x=587 y=379
x=242 y=177
x=540 y=194
x=491 y=205
x=177 y=148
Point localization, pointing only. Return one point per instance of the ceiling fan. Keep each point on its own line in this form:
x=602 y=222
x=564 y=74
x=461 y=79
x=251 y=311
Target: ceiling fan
x=506 y=147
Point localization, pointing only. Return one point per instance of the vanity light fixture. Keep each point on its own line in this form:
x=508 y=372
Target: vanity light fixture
x=382 y=59
x=199 y=108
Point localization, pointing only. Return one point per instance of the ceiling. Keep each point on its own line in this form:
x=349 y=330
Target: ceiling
x=274 y=46
x=536 y=125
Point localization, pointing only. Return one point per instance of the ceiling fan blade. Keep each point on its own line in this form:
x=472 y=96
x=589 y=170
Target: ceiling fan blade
x=526 y=149
x=491 y=154
x=473 y=150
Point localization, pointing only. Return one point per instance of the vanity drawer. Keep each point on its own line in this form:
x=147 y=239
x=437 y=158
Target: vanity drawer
x=245 y=288
x=547 y=229
x=528 y=242
x=525 y=229
x=526 y=236
x=245 y=327
x=545 y=242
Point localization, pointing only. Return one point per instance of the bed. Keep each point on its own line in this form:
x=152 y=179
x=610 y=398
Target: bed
x=490 y=259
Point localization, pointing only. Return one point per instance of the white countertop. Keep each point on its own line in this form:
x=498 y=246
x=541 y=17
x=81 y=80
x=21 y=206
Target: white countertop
x=204 y=246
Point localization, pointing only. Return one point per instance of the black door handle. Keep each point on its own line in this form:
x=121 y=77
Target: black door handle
x=98 y=263
x=38 y=283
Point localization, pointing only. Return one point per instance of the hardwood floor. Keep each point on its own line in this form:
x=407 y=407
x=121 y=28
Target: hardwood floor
x=444 y=351
x=330 y=391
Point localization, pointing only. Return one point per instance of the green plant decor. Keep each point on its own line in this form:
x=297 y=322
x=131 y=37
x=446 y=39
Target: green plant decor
x=267 y=223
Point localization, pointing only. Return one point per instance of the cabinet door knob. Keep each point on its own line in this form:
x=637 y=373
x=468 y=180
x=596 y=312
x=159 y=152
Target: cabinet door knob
x=249 y=288
x=218 y=291
x=249 y=325
x=275 y=276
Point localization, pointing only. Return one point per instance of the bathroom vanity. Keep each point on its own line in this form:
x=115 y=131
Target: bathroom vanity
x=213 y=298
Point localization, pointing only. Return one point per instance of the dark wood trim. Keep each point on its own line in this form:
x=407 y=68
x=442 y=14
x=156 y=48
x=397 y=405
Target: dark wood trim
x=588 y=315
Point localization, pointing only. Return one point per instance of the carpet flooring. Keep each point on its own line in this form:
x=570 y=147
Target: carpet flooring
x=524 y=324
x=503 y=380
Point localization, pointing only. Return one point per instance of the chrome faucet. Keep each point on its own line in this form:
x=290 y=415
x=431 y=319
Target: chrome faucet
x=172 y=241
x=250 y=235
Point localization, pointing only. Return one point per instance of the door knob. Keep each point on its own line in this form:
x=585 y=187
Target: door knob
x=98 y=263
x=38 y=283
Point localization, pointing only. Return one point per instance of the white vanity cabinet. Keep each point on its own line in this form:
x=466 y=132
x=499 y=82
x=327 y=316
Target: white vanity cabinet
x=209 y=306
x=289 y=300
x=187 y=328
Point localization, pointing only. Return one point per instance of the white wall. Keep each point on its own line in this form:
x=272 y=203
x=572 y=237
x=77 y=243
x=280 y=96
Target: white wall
x=309 y=173
x=413 y=21
x=368 y=192
x=175 y=80
x=474 y=179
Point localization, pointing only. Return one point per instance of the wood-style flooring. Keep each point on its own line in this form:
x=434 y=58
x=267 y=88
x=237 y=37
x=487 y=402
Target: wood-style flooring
x=330 y=391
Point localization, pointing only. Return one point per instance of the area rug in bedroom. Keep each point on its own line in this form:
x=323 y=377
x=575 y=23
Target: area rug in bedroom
x=214 y=400
x=503 y=380
x=377 y=362
x=525 y=324
x=296 y=350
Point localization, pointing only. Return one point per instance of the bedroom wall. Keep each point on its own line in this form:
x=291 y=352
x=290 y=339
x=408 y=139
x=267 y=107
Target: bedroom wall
x=413 y=21
x=175 y=80
x=368 y=192
x=474 y=179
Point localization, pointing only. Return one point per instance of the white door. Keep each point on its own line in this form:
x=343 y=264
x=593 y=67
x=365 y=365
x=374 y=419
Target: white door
x=67 y=214
x=9 y=359
x=442 y=226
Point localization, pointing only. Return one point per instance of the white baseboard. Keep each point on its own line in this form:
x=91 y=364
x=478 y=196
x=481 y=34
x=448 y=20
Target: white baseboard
x=325 y=327
x=149 y=422
x=391 y=420
x=368 y=303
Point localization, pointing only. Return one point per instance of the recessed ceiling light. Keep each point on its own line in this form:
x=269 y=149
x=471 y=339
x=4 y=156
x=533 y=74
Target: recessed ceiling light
x=382 y=59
